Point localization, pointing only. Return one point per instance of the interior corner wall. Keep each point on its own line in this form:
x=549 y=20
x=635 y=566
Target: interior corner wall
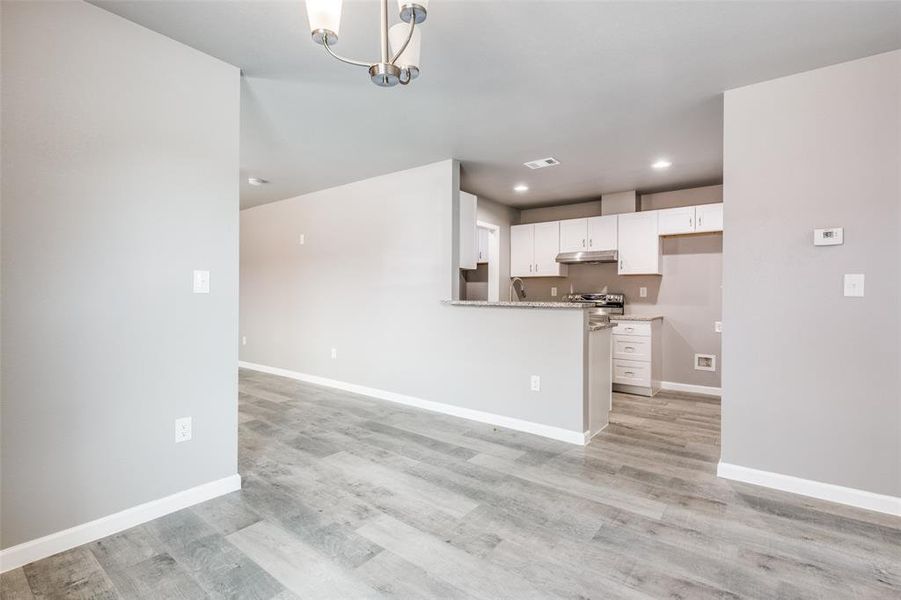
x=811 y=383
x=119 y=178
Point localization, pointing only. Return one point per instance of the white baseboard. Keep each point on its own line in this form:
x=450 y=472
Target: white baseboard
x=22 y=554
x=815 y=489
x=707 y=390
x=548 y=431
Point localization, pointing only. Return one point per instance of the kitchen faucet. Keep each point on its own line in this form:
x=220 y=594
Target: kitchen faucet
x=522 y=288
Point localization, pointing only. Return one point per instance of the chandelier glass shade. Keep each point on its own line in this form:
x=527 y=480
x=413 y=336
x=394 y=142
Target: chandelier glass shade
x=400 y=44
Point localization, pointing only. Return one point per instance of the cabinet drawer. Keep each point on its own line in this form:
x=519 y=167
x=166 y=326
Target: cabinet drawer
x=642 y=328
x=630 y=372
x=632 y=347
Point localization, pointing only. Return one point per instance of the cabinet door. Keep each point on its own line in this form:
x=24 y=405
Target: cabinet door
x=602 y=233
x=547 y=247
x=522 y=257
x=483 y=245
x=639 y=244
x=709 y=217
x=672 y=221
x=468 y=242
x=573 y=235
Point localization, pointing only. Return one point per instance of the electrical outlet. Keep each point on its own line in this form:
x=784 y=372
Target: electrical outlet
x=718 y=327
x=334 y=353
x=643 y=292
x=243 y=340
x=201 y=282
x=554 y=292
x=302 y=240
x=536 y=383
x=182 y=429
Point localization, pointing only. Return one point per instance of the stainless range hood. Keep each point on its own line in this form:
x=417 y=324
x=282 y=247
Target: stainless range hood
x=588 y=257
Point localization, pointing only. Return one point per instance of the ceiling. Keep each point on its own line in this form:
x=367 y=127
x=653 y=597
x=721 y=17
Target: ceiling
x=607 y=88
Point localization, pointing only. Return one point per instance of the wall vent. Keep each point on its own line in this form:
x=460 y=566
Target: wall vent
x=705 y=362
x=550 y=161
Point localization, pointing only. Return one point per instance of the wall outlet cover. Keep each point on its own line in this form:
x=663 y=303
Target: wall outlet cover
x=554 y=292
x=718 y=327
x=182 y=429
x=243 y=340
x=334 y=353
x=302 y=239
x=535 y=383
x=643 y=292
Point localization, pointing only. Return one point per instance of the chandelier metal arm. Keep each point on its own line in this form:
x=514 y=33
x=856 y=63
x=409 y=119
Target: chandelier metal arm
x=341 y=58
x=406 y=42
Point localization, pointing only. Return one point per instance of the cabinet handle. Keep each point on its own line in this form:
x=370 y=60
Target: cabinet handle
x=690 y=224
x=583 y=243
x=630 y=348
x=536 y=267
x=590 y=243
x=700 y=220
x=629 y=373
x=530 y=268
x=620 y=265
x=630 y=329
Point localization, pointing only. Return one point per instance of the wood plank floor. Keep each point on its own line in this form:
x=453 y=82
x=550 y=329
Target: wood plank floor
x=349 y=497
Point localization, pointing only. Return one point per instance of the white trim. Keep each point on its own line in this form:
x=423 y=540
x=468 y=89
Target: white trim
x=815 y=489
x=548 y=431
x=707 y=390
x=22 y=554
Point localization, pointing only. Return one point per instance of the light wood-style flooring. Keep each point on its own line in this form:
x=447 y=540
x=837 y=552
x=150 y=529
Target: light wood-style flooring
x=347 y=497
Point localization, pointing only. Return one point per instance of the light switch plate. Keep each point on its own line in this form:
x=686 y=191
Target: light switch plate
x=643 y=292
x=718 y=327
x=854 y=284
x=201 y=282
x=302 y=239
x=832 y=236
x=536 y=383
x=554 y=292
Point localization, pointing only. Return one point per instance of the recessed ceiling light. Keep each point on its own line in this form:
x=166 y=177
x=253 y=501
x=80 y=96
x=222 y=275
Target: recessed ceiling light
x=256 y=181
x=662 y=164
x=521 y=188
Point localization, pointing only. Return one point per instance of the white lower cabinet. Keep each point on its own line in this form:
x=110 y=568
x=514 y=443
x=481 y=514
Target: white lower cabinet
x=637 y=355
x=533 y=250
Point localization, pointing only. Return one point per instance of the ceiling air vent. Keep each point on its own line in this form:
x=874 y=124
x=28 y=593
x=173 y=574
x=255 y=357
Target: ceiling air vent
x=542 y=162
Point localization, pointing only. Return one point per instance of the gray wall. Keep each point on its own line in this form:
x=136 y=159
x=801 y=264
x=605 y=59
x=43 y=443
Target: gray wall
x=119 y=169
x=369 y=282
x=688 y=295
x=811 y=385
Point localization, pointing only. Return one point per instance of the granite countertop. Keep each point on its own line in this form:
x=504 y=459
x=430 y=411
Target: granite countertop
x=600 y=326
x=523 y=304
x=635 y=317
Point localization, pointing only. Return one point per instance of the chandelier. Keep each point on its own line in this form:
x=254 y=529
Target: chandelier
x=399 y=60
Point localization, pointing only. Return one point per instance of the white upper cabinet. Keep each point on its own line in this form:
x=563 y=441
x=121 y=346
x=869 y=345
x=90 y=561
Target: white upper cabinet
x=671 y=221
x=547 y=247
x=639 y=243
x=483 y=236
x=468 y=241
x=709 y=217
x=573 y=235
x=522 y=250
x=534 y=249
x=602 y=233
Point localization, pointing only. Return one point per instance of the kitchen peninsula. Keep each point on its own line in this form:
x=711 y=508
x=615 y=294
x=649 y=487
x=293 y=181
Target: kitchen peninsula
x=585 y=384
